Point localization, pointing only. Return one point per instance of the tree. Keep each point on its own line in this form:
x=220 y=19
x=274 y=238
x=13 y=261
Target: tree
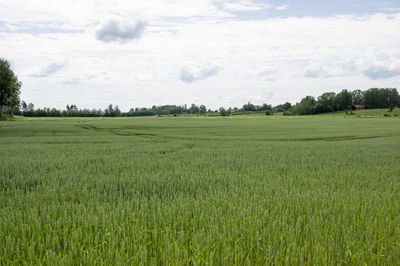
x=381 y=98
x=224 y=112
x=248 y=107
x=31 y=106
x=24 y=106
x=286 y=105
x=358 y=96
x=9 y=86
x=194 y=109
x=327 y=103
x=344 y=100
x=306 y=106
x=203 y=109
x=265 y=107
x=393 y=98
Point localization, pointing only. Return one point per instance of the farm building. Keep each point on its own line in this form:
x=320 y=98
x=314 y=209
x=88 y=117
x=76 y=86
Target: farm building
x=357 y=107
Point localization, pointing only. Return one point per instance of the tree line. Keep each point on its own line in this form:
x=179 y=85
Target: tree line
x=72 y=110
x=325 y=103
x=28 y=110
x=332 y=102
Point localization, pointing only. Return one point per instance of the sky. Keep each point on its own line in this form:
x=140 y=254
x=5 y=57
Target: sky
x=219 y=53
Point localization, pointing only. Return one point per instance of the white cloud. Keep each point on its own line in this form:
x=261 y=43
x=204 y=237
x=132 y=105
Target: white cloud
x=274 y=55
x=49 y=70
x=240 y=6
x=282 y=7
x=120 y=31
x=390 y=9
x=381 y=72
x=198 y=72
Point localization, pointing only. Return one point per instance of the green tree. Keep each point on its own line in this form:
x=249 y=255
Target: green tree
x=265 y=107
x=358 y=96
x=248 y=107
x=203 y=109
x=24 y=106
x=306 y=106
x=286 y=105
x=117 y=111
x=9 y=87
x=380 y=98
x=327 y=103
x=393 y=98
x=194 y=109
x=344 y=100
x=31 y=106
x=224 y=112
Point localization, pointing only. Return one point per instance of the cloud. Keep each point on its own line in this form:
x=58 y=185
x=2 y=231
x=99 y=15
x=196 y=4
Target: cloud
x=239 y=6
x=283 y=7
x=332 y=67
x=37 y=28
x=219 y=3
x=199 y=72
x=393 y=9
x=247 y=48
x=49 y=70
x=120 y=31
x=71 y=81
x=317 y=71
x=381 y=72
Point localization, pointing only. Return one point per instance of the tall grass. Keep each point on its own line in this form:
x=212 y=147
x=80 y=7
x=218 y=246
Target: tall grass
x=200 y=191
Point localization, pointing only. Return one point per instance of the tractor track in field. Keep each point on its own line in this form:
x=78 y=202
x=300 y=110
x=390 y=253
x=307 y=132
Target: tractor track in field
x=117 y=132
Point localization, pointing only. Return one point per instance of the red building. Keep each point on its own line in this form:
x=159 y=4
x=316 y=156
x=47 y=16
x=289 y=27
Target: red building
x=358 y=107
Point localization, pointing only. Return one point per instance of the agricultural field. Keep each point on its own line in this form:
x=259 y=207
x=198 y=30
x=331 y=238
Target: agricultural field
x=181 y=190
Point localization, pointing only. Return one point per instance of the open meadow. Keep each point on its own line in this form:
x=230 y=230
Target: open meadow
x=182 y=190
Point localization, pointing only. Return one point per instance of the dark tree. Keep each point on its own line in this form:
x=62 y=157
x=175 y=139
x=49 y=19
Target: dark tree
x=224 y=112
x=24 y=106
x=358 y=96
x=344 y=100
x=203 y=109
x=248 y=107
x=327 y=103
x=286 y=105
x=194 y=109
x=393 y=98
x=9 y=87
x=306 y=106
x=31 y=106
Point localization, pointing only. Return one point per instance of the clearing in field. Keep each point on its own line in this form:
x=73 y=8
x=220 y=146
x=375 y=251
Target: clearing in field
x=200 y=190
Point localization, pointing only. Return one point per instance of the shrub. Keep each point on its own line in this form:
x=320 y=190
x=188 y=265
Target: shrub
x=288 y=113
x=7 y=118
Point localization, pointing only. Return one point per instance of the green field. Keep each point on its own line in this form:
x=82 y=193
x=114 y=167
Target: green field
x=200 y=191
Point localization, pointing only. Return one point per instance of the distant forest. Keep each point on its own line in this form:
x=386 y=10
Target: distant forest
x=327 y=102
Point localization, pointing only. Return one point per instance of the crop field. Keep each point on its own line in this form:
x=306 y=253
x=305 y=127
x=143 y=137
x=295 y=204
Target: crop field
x=200 y=191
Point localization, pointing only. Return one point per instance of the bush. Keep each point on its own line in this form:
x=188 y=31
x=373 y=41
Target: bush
x=288 y=113
x=223 y=112
x=7 y=118
x=269 y=112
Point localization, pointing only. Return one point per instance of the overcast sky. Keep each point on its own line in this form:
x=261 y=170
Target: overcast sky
x=214 y=52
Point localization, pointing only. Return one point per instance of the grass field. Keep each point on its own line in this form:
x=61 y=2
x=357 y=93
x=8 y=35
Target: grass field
x=197 y=191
